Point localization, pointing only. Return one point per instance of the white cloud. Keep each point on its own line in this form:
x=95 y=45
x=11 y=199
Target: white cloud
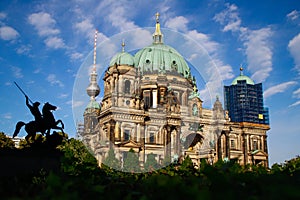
x=8 y=33
x=209 y=45
x=45 y=26
x=139 y=38
x=88 y=30
x=31 y=82
x=259 y=53
x=293 y=15
x=85 y=26
x=17 y=72
x=76 y=104
x=211 y=90
x=295 y=104
x=55 y=42
x=229 y=18
x=192 y=57
x=62 y=96
x=38 y=70
x=225 y=71
x=178 y=23
x=117 y=13
x=258 y=48
x=118 y=19
x=7 y=116
x=76 y=56
x=2 y=15
x=43 y=23
x=294 y=48
x=296 y=93
x=24 y=49
x=278 y=88
x=216 y=71
x=54 y=81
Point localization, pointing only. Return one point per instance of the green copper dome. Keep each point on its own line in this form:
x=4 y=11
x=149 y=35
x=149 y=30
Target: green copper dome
x=242 y=77
x=161 y=58
x=93 y=104
x=122 y=58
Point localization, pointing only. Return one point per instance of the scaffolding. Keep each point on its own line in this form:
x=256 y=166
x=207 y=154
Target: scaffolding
x=244 y=103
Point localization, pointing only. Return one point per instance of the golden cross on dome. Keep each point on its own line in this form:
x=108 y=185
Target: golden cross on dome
x=157 y=17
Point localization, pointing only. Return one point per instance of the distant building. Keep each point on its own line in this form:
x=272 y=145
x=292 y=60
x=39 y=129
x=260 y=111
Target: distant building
x=17 y=140
x=151 y=105
x=244 y=101
x=79 y=129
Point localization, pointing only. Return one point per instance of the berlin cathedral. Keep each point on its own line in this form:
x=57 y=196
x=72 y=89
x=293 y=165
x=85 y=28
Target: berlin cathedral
x=151 y=105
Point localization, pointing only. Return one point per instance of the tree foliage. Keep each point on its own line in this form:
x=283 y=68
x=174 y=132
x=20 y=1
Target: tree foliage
x=79 y=177
x=131 y=162
x=111 y=162
x=76 y=157
x=151 y=163
x=6 y=142
x=288 y=167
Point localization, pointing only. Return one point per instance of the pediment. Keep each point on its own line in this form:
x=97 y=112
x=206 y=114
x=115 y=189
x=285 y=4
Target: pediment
x=258 y=153
x=130 y=144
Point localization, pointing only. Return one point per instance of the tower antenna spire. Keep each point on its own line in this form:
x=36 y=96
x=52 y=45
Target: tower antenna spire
x=95 y=50
x=93 y=89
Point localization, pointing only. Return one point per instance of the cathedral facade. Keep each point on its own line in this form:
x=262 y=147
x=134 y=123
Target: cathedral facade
x=151 y=105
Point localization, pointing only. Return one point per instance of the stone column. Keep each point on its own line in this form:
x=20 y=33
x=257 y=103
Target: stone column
x=154 y=98
x=122 y=133
x=112 y=84
x=138 y=132
x=167 y=143
x=112 y=129
x=219 y=148
x=262 y=145
x=117 y=131
x=121 y=85
x=142 y=138
x=177 y=142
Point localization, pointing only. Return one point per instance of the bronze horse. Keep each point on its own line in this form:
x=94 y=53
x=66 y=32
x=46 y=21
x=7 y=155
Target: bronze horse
x=48 y=122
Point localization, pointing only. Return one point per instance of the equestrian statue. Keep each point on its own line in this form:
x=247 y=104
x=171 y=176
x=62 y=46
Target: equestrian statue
x=43 y=122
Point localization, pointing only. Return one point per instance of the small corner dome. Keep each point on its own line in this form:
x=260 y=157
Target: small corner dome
x=122 y=58
x=93 y=104
x=242 y=78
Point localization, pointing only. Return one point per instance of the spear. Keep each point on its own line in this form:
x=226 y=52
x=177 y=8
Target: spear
x=22 y=91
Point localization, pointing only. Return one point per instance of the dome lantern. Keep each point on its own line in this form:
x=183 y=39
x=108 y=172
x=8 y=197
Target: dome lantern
x=157 y=35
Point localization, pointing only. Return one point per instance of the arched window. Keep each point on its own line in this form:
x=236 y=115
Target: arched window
x=127 y=87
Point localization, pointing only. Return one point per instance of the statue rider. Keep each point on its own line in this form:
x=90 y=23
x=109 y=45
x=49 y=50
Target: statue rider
x=34 y=109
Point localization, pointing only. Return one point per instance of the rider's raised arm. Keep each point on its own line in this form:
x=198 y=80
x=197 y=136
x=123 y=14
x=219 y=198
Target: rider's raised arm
x=27 y=101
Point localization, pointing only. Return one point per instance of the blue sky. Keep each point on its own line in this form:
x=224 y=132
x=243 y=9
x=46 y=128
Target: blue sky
x=43 y=45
